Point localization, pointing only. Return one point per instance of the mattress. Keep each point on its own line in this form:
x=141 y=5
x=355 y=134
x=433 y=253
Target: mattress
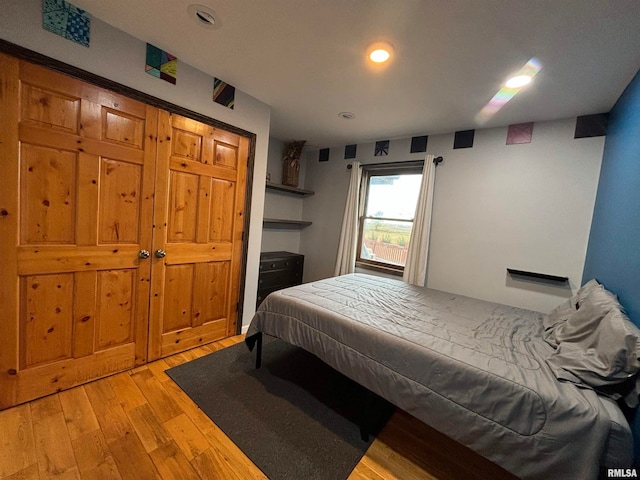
x=473 y=370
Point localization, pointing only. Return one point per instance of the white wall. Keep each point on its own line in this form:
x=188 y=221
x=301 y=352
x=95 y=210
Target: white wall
x=281 y=205
x=527 y=207
x=120 y=57
x=496 y=206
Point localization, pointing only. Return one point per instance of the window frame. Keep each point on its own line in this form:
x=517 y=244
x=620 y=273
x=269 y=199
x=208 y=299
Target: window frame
x=369 y=171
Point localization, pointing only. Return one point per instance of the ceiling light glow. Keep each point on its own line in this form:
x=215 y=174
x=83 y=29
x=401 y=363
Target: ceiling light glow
x=518 y=81
x=379 y=55
x=379 y=52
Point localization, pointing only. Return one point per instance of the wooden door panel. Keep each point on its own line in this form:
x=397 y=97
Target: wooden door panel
x=210 y=294
x=200 y=187
x=226 y=155
x=178 y=295
x=186 y=144
x=50 y=109
x=48 y=195
x=222 y=214
x=194 y=294
x=116 y=300
x=84 y=166
x=183 y=207
x=121 y=128
x=120 y=194
x=46 y=318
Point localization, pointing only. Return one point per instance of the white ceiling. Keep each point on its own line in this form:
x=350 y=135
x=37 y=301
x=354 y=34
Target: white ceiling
x=306 y=58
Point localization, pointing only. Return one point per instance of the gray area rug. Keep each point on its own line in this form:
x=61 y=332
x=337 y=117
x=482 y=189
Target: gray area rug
x=295 y=417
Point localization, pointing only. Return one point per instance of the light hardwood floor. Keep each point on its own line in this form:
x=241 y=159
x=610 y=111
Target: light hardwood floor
x=139 y=425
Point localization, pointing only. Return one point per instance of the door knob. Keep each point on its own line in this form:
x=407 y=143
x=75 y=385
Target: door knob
x=144 y=254
x=160 y=253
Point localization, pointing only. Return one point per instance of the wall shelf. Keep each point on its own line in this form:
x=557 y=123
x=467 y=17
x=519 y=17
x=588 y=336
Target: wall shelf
x=287 y=189
x=538 y=276
x=280 y=223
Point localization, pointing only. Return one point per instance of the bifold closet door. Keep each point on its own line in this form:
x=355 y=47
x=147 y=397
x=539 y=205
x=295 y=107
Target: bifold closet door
x=76 y=205
x=197 y=237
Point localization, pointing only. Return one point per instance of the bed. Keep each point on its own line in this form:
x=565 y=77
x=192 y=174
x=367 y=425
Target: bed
x=474 y=370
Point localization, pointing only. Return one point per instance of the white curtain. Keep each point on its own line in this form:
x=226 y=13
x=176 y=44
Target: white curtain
x=347 y=248
x=415 y=269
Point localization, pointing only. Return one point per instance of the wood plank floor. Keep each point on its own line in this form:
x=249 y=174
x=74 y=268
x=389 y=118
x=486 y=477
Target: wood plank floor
x=140 y=425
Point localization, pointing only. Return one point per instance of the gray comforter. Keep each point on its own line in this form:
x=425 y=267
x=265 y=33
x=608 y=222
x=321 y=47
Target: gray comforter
x=473 y=370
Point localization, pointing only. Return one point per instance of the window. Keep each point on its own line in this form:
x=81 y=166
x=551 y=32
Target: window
x=390 y=195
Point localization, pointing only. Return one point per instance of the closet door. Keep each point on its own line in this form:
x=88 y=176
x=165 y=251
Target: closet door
x=197 y=239
x=76 y=194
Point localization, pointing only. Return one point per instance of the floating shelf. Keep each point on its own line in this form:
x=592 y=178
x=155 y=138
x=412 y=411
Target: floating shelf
x=284 y=224
x=538 y=276
x=287 y=189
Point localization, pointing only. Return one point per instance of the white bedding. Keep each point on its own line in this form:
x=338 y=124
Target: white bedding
x=472 y=369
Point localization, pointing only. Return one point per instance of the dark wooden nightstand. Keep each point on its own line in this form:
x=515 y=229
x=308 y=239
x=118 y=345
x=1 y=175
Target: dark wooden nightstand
x=278 y=270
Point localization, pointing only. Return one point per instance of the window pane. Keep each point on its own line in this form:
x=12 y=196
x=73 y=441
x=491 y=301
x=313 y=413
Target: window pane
x=386 y=241
x=393 y=196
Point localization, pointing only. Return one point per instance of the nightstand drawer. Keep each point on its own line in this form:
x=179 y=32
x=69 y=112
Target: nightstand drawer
x=283 y=277
x=281 y=264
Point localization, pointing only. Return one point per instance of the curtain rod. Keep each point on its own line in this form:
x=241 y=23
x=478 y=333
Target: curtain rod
x=436 y=160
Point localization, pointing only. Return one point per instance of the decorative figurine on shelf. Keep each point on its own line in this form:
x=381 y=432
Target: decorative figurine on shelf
x=291 y=163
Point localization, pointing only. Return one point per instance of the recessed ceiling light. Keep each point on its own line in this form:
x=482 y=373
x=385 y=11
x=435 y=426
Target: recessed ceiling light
x=519 y=81
x=379 y=55
x=379 y=52
x=204 y=16
x=347 y=115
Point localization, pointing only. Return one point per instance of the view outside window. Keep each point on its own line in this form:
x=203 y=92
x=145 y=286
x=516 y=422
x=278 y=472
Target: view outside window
x=385 y=229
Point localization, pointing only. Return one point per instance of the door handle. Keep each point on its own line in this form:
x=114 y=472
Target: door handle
x=160 y=253
x=144 y=254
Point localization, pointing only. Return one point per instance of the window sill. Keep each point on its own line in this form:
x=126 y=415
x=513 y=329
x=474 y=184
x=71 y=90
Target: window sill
x=398 y=271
